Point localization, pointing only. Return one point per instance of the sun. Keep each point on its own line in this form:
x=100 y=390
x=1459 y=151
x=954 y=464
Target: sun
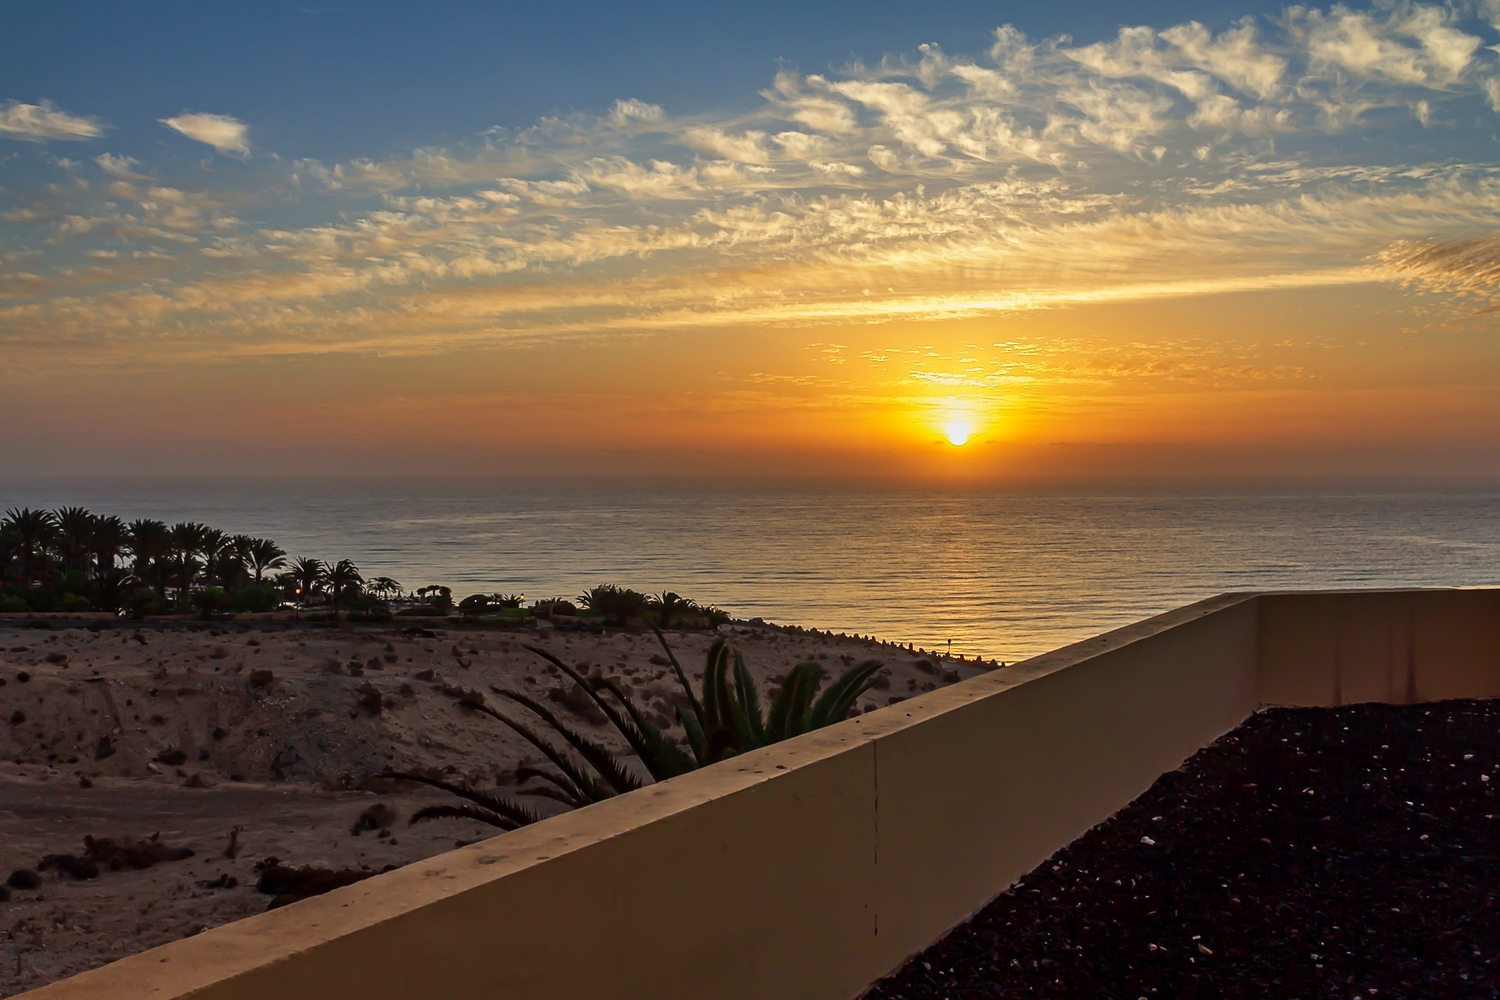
x=958 y=433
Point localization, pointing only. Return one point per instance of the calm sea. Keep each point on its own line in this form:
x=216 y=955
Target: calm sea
x=1003 y=572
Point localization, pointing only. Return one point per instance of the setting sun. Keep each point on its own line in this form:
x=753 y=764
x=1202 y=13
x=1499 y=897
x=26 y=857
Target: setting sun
x=958 y=433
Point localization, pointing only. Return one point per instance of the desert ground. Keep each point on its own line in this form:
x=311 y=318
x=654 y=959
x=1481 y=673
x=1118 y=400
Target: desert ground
x=244 y=742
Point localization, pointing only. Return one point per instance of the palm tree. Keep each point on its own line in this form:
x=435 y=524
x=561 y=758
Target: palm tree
x=214 y=544
x=150 y=543
x=32 y=530
x=9 y=547
x=189 y=539
x=384 y=588
x=343 y=579
x=308 y=575
x=75 y=530
x=109 y=537
x=264 y=554
x=669 y=604
x=110 y=587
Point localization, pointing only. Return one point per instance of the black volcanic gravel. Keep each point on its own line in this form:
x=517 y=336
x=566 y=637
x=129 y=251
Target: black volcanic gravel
x=1346 y=852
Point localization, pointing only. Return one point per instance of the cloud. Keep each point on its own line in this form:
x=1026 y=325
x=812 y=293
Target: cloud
x=743 y=148
x=226 y=134
x=119 y=166
x=1032 y=174
x=1363 y=44
x=1470 y=268
x=41 y=122
x=632 y=110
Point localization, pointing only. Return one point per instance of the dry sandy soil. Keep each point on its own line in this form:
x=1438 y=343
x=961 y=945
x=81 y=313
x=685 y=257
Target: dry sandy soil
x=190 y=731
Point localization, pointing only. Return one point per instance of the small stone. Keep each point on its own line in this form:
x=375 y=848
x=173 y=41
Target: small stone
x=1148 y=841
x=24 y=879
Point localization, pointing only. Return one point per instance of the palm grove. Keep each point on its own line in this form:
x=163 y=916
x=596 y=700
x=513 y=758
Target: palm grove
x=71 y=559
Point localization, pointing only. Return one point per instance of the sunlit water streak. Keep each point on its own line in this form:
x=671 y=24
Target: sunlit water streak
x=1002 y=572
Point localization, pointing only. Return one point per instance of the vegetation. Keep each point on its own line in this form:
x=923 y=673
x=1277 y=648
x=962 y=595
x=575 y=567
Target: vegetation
x=72 y=560
x=721 y=720
x=624 y=606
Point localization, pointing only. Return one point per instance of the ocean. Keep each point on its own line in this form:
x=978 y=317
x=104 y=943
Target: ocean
x=999 y=571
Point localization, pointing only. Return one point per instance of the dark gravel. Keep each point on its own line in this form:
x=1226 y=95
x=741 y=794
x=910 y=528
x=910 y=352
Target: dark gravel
x=1310 y=853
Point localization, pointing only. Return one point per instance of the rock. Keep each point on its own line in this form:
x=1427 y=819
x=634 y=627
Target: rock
x=24 y=879
x=369 y=698
x=4 y=894
x=376 y=817
x=17 y=717
x=220 y=732
x=57 y=658
x=261 y=679
x=576 y=700
x=201 y=780
x=172 y=758
x=140 y=855
x=72 y=867
x=287 y=885
x=104 y=748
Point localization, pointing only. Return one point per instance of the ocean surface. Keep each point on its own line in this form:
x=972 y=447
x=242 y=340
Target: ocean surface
x=1004 y=572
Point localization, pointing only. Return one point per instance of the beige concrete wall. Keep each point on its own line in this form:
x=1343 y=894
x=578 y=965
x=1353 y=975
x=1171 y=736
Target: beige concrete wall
x=808 y=869
x=1399 y=647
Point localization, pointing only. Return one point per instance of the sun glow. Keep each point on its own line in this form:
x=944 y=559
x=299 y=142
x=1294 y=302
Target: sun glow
x=958 y=433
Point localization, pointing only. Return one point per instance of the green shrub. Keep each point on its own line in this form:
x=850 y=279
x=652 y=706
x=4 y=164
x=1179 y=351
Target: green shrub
x=619 y=603
x=12 y=603
x=369 y=615
x=474 y=603
x=255 y=599
x=422 y=611
x=208 y=600
x=141 y=602
x=74 y=603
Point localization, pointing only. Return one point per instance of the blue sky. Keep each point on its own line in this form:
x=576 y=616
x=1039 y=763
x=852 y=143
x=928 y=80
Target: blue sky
x=342 y=80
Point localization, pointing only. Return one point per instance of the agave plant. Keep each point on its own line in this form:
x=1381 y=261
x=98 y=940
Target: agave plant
x=727 y=719
x=486 y=807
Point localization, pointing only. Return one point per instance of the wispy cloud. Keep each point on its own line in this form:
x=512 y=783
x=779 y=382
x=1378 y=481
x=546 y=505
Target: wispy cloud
x=1469 y=268
x=1035 y=175
x=226 y=134
x=41 y=122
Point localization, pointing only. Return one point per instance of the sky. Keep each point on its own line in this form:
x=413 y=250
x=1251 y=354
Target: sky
x=945 y=240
